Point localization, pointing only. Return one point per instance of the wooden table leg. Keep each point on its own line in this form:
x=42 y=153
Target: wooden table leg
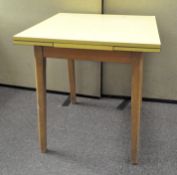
x=136 y=101
x=71 y=72
x=41 y=96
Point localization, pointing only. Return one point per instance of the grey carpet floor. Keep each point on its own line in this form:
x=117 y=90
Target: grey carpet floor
x=89 y=138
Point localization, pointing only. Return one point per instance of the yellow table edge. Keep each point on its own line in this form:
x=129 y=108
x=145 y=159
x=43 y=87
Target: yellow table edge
x=86 y=46
x=32 y=43
x=86 y=42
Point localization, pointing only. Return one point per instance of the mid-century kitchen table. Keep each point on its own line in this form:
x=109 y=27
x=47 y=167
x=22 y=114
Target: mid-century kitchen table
x=95 y=37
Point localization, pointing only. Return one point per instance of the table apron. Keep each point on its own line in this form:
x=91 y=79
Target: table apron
x=90 y=55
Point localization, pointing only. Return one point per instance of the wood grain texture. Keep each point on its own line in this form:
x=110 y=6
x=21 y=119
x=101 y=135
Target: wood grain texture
x=72 y=84
x=136 y=101
x=41 y=96
x=133 y=58
x=93 y=37
x=90 y=55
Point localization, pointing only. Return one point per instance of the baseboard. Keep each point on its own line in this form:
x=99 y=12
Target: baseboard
x=48 y=91
x=144 y=98
x=94 y=97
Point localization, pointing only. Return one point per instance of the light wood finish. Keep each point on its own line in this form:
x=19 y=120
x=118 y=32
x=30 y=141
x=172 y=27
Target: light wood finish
x=41 y=96
x=94 y=31
x=71 y=73
x=133 y=58
x=105 y=38
x=91 y=55
x=136 y=101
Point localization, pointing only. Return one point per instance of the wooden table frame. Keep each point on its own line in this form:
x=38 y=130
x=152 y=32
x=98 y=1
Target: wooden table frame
x=133 y=58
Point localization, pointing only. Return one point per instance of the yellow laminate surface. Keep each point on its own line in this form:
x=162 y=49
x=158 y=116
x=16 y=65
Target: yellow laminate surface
x=94 y=31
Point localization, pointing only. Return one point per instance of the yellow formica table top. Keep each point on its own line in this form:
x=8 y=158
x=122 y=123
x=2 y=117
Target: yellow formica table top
x=94 y=31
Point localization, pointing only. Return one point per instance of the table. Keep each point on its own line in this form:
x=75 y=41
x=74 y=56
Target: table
x=95 y=37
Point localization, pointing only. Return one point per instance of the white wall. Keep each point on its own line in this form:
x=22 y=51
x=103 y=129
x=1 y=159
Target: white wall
x=160 y=70
x=17 y=63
